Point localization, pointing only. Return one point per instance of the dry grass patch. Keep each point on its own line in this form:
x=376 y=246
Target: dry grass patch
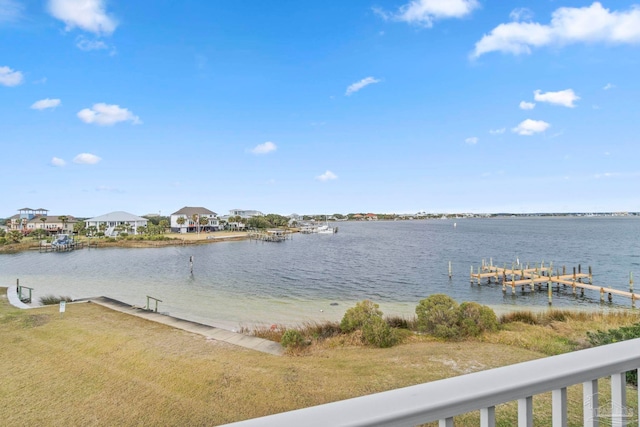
x=98 y=367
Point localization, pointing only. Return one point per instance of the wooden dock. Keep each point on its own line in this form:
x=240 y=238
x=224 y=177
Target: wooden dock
x=270 y=235
x=48 y=247
x=541 y=277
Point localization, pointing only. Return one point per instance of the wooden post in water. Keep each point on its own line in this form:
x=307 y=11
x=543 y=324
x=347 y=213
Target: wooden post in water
x=549 y=292
x=633 y=300
x=631 y=282
x=601 y=295
x=191 y=263
x=590 y=276
x=471 y=275
x=449 y=270
x=533 y=285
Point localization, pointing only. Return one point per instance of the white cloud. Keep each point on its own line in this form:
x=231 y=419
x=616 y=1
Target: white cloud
x=608 y=86
x=265 y=148
x=88 y=15
x=85 y=44
x=529 y=127
x=58 y=162
x=106 y=115
x=45 y=103
x=566 y=97
x=497 y=131
x=86 y=159
x=607 y=175
x=568 y=25
x=527 y=105
x=521 y=14
x=327 y=176
x=9 y=77
x=361 y=84
x=10 y=10
x=425 y=12
x=472 y=140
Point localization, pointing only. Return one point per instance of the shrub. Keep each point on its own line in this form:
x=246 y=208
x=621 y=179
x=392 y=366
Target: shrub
x=377 y=332
x=292 y=338
x=615 y=335
x=474 y=319
x=356 y=317
x=52 y=299
x=438 y=316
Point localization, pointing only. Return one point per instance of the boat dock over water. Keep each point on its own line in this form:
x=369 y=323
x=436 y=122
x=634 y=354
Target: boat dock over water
x=540 y=277
x=62 y=243
x=270 y=235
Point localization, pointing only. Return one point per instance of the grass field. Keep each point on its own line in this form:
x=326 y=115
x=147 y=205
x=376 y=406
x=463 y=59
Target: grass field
x=96 y=367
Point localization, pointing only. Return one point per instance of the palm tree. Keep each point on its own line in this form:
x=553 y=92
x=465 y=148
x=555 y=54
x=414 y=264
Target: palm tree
x=204 y=221
x=63 y=219
x=43 y=219
x=181 y=220
x=195 y=218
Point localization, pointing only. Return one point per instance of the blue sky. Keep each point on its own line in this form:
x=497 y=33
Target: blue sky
x=319 y=107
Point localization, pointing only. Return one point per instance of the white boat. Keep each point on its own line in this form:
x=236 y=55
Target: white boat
x=325 y=229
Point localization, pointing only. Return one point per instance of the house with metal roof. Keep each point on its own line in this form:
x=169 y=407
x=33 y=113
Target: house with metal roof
x=120 y=220
x=192 y=219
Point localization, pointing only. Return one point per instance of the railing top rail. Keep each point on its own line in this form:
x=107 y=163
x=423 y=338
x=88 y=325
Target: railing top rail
x=436 y=400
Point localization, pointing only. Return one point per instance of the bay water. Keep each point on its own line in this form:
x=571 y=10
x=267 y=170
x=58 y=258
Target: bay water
x=318 y=277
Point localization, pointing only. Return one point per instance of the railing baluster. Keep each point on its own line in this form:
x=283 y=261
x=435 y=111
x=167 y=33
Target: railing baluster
x=618 y=400
x=559 y=407
x=488 y=417
x=525 y=412
x=447 y=422
x=590 y=403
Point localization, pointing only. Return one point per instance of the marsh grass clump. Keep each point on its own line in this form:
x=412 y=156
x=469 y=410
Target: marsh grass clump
x=400 y=322
x=320 y=331
x=527 y=317
x=53 y=300
x=271 y=333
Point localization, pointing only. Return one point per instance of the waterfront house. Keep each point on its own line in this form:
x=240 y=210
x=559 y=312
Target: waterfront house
x=192 y=220
x=28 y=220
x=244 y=214
x=113 y=223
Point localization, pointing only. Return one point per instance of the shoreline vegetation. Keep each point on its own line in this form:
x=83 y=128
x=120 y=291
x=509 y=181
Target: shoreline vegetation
x=136 y=241
x=95 y=366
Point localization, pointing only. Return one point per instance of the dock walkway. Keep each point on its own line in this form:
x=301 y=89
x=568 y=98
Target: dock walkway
x=246 y=341
x=543 y=276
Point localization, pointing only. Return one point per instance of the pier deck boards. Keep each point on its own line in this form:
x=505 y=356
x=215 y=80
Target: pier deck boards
x=527 y=279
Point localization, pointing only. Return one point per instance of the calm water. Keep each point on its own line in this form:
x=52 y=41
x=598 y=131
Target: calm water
x=392 y=263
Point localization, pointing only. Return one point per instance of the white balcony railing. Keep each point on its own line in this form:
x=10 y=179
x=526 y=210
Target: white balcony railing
x=444 y=399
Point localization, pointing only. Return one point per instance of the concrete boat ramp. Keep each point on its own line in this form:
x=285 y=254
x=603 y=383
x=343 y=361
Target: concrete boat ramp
x=253 y=343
